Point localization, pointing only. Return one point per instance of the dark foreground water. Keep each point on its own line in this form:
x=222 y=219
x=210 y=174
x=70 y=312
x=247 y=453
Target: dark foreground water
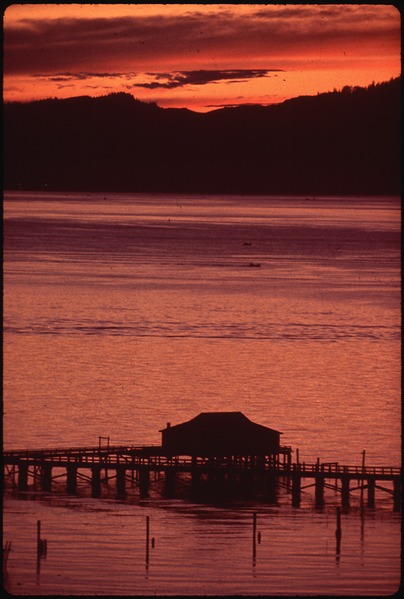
x=124 y=312
x=98 y=547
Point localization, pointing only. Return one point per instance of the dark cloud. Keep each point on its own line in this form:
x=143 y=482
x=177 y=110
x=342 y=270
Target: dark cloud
x=82 y=76
x=235 y=105
x=51 y=46
x=202 y=77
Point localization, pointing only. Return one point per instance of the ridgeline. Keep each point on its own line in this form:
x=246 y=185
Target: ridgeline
x=342 y=142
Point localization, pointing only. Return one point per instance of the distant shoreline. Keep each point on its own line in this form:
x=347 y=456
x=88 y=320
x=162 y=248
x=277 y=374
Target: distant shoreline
x=340 y=143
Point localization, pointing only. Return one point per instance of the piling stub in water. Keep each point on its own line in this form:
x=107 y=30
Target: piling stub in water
x=338 y=531
x=147 y=539
x=41 y=544
x=6 y=553
x=38 y=535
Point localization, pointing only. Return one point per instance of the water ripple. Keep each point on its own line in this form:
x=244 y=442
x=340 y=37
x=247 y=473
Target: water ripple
x=291 y=331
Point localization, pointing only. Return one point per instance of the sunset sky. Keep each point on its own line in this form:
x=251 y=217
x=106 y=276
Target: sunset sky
x=197 y=56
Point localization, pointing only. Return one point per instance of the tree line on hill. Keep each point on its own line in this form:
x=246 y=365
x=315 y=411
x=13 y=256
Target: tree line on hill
x=342 y=142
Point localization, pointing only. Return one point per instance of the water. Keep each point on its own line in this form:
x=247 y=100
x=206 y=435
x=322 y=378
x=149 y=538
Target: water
x=98 y=547
x=124 y=312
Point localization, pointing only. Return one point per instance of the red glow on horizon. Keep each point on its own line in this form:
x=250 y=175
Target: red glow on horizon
x=153 y=51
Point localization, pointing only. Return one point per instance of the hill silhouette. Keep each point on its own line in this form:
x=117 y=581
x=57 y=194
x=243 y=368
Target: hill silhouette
x=342 y=142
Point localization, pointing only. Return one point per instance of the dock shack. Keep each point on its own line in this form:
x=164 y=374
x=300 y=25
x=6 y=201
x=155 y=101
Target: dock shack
x=221 y=434
x=213 y=454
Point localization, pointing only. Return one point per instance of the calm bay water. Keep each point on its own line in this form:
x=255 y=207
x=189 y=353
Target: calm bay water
x=124 y=312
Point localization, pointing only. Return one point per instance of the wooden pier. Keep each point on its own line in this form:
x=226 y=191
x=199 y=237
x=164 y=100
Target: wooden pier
x=135 y=468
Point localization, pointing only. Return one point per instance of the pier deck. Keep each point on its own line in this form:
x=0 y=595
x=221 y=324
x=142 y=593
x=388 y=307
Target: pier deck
x=138 y=462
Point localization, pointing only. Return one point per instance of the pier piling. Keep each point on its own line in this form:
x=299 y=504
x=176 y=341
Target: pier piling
x=71 y=482
x=195 y=477
x=397 y=493
x=46 y=479
x=271 y=486
x=371 y=492
x=120 y=481
x=144 y=479
x=231 y=476
x=169 y=482
x=319 y=491
x=96 y=480
x=296 y=489
x=23 y=476
x=345 y=498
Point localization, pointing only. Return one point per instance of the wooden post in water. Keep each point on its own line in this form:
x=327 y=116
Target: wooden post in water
x=38 y=545
x=38 y=536
x=6 y=553
x=338 y=531
x=41 y=544
x=363 y=474
x=147 y=539
x=254 y=534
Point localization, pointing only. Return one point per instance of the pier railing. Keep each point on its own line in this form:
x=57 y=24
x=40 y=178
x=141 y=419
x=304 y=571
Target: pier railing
x=343 y=469
x=153 y=457
x=136 y=463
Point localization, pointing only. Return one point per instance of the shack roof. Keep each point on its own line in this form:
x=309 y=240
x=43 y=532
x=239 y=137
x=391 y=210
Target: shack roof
x=210 y=421
x=220 y=433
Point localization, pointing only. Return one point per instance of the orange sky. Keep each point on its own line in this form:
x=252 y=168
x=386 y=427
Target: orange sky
x=194 y=55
